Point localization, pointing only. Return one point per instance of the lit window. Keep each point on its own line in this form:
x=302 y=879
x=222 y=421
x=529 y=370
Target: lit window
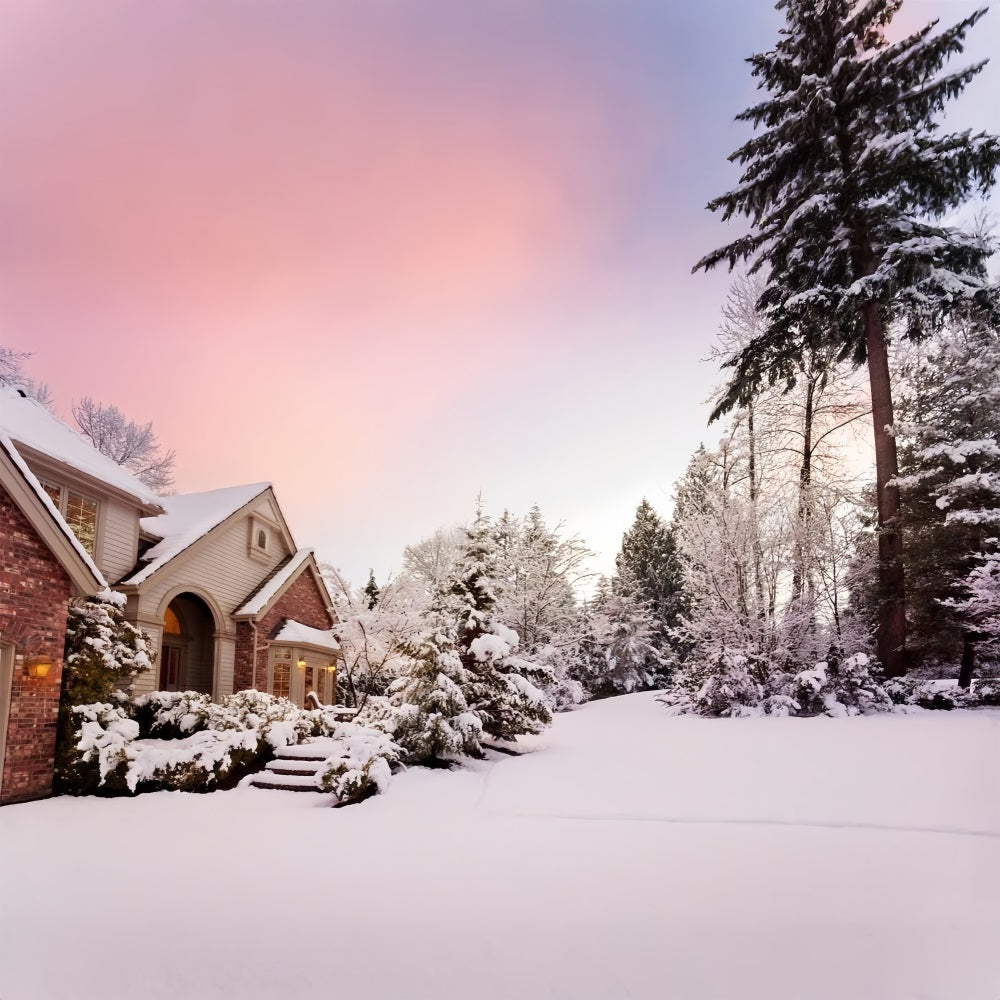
x=171 y=623
x=282 y=673
x=78 y=511
x=55 y=494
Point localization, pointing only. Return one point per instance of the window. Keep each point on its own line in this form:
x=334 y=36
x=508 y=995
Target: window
x=281 y=675
x=171 y=623
x=78 y=511
x=258 y=539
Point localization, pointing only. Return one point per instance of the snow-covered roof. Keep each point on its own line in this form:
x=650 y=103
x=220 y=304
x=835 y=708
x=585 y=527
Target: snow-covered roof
x=264 y=594
x=46 y=501
x=26 y=422
x=186 y=518
x=295 y=632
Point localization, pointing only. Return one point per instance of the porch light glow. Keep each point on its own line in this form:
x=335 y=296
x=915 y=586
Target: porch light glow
x=302 y=663
x=38 y=666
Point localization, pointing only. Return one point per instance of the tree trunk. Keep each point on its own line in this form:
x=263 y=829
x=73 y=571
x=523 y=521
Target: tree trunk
x=968 y=661
x=891 y=633
x=758 y=549
x=803 y=528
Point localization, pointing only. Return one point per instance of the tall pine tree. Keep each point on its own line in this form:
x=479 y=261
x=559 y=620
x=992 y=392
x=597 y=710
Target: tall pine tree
x=648 y=570
x=844 y=186
x=950 y=454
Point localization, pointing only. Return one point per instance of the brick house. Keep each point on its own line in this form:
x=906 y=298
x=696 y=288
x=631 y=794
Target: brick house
x=216 y=580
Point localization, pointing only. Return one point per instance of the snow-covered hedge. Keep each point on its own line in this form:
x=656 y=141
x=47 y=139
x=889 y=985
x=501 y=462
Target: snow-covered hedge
x=185 y=741
x=837 y=686
x=738 y=685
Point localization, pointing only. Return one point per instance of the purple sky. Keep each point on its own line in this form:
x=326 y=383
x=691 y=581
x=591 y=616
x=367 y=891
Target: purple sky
x=388 y=255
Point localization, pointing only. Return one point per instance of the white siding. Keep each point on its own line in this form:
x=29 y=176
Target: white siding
x=227 y=667
x=118 y=538
x=218 y=566
x=149 y=680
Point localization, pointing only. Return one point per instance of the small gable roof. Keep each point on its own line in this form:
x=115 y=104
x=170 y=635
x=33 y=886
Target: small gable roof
x=27 y=423
x=260 y=601
x=27 y=494
x=297 y=634
x=187 y=518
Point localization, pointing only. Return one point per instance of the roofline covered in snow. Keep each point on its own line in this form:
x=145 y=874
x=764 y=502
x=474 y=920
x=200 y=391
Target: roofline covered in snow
x=270 y=591
x=127 y=585
x=28 y=496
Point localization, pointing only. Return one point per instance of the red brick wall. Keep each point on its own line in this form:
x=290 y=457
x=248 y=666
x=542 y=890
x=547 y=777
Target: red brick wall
x=34 y=595
x=303 y=602
x=243 y=666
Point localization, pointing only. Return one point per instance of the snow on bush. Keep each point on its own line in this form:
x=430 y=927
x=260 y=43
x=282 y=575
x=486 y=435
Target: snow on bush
x=185 y=741
x=835 y=686
x=840 y=687
x=730 y=689
x=361 y=764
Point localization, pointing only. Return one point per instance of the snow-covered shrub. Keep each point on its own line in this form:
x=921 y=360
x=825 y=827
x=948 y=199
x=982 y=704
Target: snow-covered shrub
x=987 y=691
x=835 y=686
x=730 y=689
x=564 y=690
x=361 y=764
x=102 y=656
x=280 y=722
x=94 y=758
x=186 y=742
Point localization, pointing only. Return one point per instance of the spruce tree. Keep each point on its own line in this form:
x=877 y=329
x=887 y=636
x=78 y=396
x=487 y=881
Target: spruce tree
x=845 y=185
x=649 y=571
x=950 y=457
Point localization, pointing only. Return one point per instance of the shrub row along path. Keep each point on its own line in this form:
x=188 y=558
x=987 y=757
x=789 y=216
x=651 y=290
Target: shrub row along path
x=628 y=855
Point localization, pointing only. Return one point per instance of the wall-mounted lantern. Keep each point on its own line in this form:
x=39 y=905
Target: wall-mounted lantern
x=302 y=663
x=38 y=666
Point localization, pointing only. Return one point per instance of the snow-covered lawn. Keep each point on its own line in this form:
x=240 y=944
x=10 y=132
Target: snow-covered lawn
x=632 y=855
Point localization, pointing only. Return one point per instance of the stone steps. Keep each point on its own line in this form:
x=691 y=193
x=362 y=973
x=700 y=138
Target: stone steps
x=294 y=769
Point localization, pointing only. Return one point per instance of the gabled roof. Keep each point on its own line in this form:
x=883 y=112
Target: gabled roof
x=33 y=429
x=188 y=517
x=261 y=600
x=36 y=505
x=297 y=634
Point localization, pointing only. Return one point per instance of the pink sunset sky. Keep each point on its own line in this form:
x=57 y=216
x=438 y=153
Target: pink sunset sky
x=387 y=255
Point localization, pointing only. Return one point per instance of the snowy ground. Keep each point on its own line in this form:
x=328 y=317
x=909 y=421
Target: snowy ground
x=632 y=855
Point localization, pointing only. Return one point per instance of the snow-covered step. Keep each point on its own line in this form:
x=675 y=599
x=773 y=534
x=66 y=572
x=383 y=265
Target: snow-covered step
x=291 y=767
x=296 y=768
x=287 y=782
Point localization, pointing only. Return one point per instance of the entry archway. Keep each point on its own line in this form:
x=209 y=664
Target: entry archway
x=187 y=654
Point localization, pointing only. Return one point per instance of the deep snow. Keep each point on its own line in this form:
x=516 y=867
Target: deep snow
x=631 y=855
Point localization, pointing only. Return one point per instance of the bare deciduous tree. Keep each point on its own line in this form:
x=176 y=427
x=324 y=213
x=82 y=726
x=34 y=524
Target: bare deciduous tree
x=133 y=446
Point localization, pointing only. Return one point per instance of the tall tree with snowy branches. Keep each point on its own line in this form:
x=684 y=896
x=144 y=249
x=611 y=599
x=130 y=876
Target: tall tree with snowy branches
x=950 y=454
x=845 y=185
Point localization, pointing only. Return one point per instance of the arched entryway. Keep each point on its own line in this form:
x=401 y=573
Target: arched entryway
x=187 y=655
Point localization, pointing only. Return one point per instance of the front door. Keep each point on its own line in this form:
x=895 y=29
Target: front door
x=171 y=674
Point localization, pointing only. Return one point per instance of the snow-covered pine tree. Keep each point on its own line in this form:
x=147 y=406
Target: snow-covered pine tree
x=431 y=718
x=648 y=571
x=844 y=186
x=503 y=687
x=950 y=459
x=621 y=644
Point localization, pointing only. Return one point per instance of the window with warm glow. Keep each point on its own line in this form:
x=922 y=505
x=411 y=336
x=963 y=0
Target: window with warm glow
x=281 y=672
x=78 y=511
x=171 y=623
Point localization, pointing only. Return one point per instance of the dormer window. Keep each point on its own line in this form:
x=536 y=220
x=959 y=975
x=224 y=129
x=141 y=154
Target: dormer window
x=259 y=540
x=78 y=511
